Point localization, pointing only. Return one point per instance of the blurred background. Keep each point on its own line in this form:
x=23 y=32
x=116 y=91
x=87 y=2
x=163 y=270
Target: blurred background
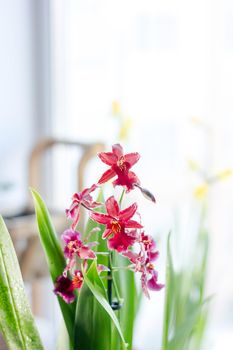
x=156 y=76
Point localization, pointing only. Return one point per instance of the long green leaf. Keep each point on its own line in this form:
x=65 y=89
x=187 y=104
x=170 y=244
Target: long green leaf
x=92 y=324
x=94 y=283
x=97 y=293
x=54 y=256
x=170 y=278
x=126 y=283
x=16 y=320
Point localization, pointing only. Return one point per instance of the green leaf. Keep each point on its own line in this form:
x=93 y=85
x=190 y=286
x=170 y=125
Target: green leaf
x=170 y=280
x=16 y=320
x=101 y=247
x=54 y=256
x=92 y=325
x=125 y=280
x=94 y=315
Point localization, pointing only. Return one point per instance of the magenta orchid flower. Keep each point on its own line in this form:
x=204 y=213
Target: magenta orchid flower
x=65 y=287
x=120 y=166
x=74 y=246
x=142 y=262
x=117 y=222
x=82 y=198
x=149 y=246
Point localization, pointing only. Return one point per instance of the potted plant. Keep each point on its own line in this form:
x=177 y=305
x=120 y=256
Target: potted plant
x=93 y=270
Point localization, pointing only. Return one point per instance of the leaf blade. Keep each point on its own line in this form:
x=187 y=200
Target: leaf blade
x=99 y=295
x=92 y=326
x=16 y=320
x=54 y=257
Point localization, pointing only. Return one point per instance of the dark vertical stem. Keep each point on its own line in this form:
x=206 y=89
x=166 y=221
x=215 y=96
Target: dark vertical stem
x=110 y=278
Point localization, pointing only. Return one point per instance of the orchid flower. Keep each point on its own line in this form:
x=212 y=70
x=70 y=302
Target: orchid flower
x=75 y=246
x=142 y=262
x=65 y=287
x=82 y=198
x=120 y=166
x=117 y=222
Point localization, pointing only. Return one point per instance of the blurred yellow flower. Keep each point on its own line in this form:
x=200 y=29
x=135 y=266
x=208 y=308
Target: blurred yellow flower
x=193 y=165
x=125 y=129
x=197 y=121
x=224 y=174
x=116 y=108
x=201 y=191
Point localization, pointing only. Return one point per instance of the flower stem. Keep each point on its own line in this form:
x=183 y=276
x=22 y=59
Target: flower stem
x=121 y=197
x=110 y=280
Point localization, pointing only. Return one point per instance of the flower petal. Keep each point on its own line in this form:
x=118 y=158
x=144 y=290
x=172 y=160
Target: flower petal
x=112 y=207
x=88 y=190
x=152 y=283
x=107 y=175
x=127 y=179
x=127 y=213
x=77 y=280
x=70 y=235
x=91 y=204
x=132 y=224
x=131 y=256
x=86 y=253
x=106 y=233
x=100 y=218
x=120 y=242
x=153 y=255
x=117 y=150
x=65 y=289
x=144 y=285
x=108 y=158
x=132 y=158
x=73 y=214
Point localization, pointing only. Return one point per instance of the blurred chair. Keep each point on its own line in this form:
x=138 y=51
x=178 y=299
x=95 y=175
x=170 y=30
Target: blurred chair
x=23 y=228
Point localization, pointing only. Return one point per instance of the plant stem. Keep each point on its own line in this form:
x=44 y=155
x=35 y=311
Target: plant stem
x=121 y=197
x=110 y=279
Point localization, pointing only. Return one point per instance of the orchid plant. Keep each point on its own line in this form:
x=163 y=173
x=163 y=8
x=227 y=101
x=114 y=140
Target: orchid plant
x=124 y=235
x=93 y=271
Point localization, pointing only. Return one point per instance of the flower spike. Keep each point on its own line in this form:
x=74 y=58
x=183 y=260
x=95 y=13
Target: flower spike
x=123 y=231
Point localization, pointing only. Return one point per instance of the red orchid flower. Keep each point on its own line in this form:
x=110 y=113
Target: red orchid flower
x=82 y=198
x=117 y=222
x=74 y=246
x=64 y=286
x=121 y=241
x=120 y=165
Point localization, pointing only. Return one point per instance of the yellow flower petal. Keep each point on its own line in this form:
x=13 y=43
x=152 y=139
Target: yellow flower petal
x=116 y=108
x=125 y=129
x=201 y=191
x=193 y=165
x=197 y=120
x=224 y=174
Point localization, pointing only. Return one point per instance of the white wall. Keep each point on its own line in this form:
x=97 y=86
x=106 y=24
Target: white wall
x=21 y=102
